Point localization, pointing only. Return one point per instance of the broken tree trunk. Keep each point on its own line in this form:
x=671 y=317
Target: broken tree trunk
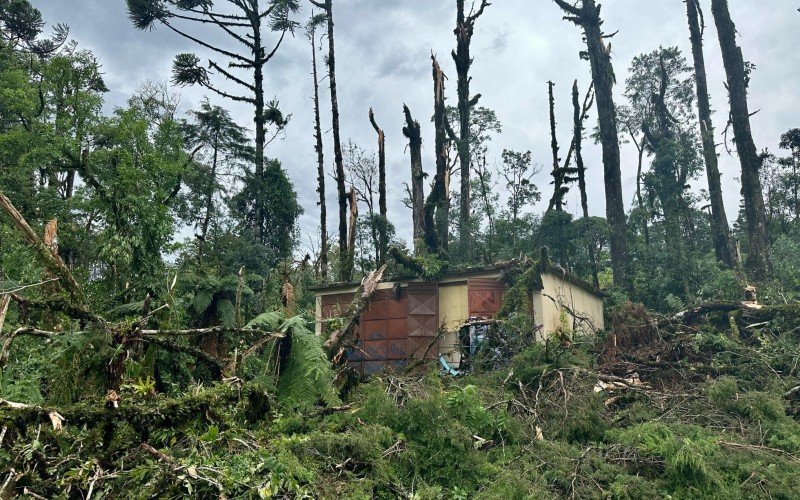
x=412 y=132
x=50 y=258
x=759 y=263
x=465 y=27
x=323 y=211
x=723 y=246
x=435 y=234
x=577 y=140
x=341 y=338
x=383 y=228
x=556 y=202
x=587 y=16
x=351 y=242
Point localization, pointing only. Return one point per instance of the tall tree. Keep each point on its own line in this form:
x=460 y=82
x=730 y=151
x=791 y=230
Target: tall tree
x=790 y=140
x=435 y=219
x=465 y=27
x=587 y=16
x=758 y=260
x=345 y=272
x=723 y=246
x=318 y=148
x=517 y=171
x=221 y=146
x=247 y=24
x=413 y=134
x=578 y=116
x=559 y=190
x=383 y=228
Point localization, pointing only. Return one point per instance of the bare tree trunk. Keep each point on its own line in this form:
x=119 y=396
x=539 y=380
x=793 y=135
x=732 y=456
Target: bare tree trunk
x=323 y=210
x=558 y=178
x=639 y=198
x=719 y=220
x=261 y=133
x=383 y=229
x=412 y=132
x=588 y=17
x=351 y=243
x=581 y=168
x=203 y=237
x=435 y=234
x=345 y=272
x=758 y=259
x=465 y=26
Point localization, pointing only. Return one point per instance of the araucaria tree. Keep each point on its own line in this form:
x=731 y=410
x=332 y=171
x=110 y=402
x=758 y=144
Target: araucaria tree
x=465 y=27
x=247 y=23
x=758 y=260
x=723 y=246
x=587 y=16
x=345 y=270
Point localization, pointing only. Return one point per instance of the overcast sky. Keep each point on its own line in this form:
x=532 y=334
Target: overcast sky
x=383 y=52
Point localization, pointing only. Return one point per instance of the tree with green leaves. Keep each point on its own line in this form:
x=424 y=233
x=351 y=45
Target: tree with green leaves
x=518 y=173
x=223 y=150
x=247 y=23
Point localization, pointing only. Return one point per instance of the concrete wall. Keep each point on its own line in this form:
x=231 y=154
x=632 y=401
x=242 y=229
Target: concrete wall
x=558 y=295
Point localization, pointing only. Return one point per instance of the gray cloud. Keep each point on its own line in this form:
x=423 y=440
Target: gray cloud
x=383 y=50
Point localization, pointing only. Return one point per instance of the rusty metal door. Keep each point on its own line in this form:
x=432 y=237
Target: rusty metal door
x=485 y=297
x=423 y=319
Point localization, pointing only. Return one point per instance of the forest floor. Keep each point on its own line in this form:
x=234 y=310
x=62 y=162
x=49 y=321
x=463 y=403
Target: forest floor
x=700 y=405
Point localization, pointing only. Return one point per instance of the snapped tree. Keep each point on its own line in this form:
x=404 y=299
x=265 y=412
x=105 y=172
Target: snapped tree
x=587 y=16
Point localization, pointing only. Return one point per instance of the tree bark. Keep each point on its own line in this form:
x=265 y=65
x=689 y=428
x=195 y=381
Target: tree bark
x=465 y=26
x=261 y=133
x=577 y=139
x=723 y=247
x=558 y=177
x=351 y=243
x=412 y=132
x=588 y=17
x=383 y=229
x=318 y=147
x=758 y=259
x=345 y=273
x=435 y=217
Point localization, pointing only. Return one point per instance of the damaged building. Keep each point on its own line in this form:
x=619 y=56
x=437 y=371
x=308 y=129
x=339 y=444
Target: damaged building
x=412 y=319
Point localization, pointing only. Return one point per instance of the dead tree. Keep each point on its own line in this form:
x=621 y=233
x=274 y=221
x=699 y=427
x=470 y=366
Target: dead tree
x=435 y=220
x=465 y=26
x=556 y=202
x=758 y=259
x=345 y=272
x=723 y=246
x=383 y=228
x=351 y=236
x=579 y=114
x=413 y=134
x=323 y=211
x=587 y=16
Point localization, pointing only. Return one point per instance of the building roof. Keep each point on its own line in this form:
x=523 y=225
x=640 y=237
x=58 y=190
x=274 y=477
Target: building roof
x=468 y=272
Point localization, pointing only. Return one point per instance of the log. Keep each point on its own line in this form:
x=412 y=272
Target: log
x=334 y=345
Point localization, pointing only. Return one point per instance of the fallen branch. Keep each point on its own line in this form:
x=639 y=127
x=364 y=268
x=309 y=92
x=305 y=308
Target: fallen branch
x=334 y=345
x=50 y=258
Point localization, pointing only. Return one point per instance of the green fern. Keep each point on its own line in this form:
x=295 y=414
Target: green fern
x=307 y=375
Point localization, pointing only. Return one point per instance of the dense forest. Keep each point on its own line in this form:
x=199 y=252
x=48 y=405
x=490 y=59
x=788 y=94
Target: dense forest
x=157 y=295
